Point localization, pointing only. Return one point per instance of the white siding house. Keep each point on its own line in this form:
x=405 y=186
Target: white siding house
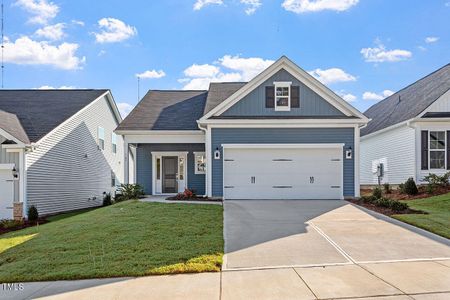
x=67 y=168
x=409 y=133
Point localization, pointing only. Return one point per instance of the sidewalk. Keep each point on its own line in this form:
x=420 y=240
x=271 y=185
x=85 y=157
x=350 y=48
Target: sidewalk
x=394 y=281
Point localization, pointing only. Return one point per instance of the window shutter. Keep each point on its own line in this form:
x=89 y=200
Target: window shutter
x=295 y=96
x=270 y=97
x=424 y=149
x=448 y=150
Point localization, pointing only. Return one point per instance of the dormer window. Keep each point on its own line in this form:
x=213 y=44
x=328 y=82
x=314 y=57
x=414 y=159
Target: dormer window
x=282 y=96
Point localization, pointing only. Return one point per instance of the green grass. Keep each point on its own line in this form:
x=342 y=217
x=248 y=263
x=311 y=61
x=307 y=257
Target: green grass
x=68 y=214
x=438 y=218
x=127 y=239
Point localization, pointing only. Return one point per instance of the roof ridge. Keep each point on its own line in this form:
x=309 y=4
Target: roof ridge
x=48 y=90
x=159 y=90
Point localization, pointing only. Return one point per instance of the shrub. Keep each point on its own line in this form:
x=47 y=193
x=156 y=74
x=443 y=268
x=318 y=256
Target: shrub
x=401 y=188
x=367 y=199
x=107 y=199
x=387 y=188
x=430 y=188
x=186 y=195
x=377 y=193
x=398 y=206
x=8 y=224
x=436 y=180
x=411 y=187
x=33 y=214
x=131 y=191
x=383 y=202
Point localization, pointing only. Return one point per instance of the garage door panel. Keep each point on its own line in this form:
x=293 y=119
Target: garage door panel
x=283 y=173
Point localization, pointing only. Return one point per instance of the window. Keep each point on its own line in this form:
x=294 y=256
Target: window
x=158 y=168
x=101 y=138
x=437 y=149
x=113 y=179
x=282 y=96
x=181 y=168
x=200 y=162
x=114 y=142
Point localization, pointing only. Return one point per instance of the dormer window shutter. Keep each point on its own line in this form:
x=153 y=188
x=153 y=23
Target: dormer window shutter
x=270 y=96
x=424 y=150
x=295 y=96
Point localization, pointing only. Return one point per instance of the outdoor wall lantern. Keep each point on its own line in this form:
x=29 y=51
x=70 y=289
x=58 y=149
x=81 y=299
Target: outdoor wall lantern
x=348 y=153
x=15 y=173
x=217 y=153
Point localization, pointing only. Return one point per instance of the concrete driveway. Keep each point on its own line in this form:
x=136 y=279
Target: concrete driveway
x=304 y=233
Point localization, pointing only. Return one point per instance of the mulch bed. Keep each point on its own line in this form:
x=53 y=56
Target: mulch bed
x=23 y=225
x=206 y=199
x=384 y=210
x=423 y=193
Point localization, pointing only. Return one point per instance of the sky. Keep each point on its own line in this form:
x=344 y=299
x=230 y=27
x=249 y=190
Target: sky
x=364 y=50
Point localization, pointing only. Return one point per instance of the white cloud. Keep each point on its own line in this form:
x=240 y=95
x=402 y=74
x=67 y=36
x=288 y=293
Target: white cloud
x=431 y=39
x=124 y=108
x=151 y=74
x=78 y=22
x=380 y=54
x=205 y=70
x=332 y=75
x=63 y=87
x=303 y=6
x=42 y=10
x=377 y=97
x=52 y=32
x=347 y=96
x=114 y=30
x=25 y=51
x=252 y=6
x=101 y=53
x=226 y=69
x=199 y=4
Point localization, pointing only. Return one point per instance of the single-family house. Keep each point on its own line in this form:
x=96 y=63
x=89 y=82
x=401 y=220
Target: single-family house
x=282 y=135
x=409 y=133
x=58 y=150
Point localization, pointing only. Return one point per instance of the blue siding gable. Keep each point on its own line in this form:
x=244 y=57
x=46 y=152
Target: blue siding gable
x=311 y=104
x=221 y=136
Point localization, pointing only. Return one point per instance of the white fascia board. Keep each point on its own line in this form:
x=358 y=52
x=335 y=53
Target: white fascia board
x=74 y=115
x=171 y=137
x=159 y=132
x=392 y=127
x=7 y=166
x=283 y=146
x=275 y=122
x=301 y=75
x=113 y=104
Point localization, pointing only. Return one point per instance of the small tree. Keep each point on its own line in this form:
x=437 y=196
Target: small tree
x=411 y=187
x=107 y=199
x=376 y=193
x=33 y=214
x=387 y=188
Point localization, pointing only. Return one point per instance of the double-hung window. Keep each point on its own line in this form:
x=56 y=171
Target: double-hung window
x=101 y=138
x=282 y=96
x=437 y=149
x=200 y=162
x=114 y=142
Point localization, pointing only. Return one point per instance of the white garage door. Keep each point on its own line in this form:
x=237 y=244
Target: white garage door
x=6 y=194
x=306 y=172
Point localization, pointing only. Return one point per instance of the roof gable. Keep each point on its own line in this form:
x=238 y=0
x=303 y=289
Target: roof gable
x=299 y=74
x=41 y=111
x=311 y=104
x=409 y=102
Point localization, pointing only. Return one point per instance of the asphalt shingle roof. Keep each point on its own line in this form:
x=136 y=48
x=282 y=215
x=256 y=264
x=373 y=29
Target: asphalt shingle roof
x=166 y=110
x=408 y=102
x=219 y=91
x=40 y=111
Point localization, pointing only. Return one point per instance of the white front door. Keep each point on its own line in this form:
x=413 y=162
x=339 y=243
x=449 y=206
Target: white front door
x=6 y=194
x=310 y=173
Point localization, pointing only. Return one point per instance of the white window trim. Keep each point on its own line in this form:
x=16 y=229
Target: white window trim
x=98 y=137
x=113 y=142
x=278 y=84
x=196 y=172
x=437 y=150
x=160 y=154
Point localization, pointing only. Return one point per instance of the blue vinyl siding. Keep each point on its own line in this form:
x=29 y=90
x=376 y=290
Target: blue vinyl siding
x=221 y=136
x=144 y=165
x=311 y=104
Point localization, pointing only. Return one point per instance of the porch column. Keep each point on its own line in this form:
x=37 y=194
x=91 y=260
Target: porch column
x=126 y=166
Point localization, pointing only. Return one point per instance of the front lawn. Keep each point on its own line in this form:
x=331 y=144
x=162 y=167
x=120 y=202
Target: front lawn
x=438 y=218
x=127 y=239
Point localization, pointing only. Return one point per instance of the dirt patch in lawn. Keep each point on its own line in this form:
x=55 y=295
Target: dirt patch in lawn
x=395 y=194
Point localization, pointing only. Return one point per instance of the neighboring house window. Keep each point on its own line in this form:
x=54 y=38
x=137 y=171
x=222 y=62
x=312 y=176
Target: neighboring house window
x=282 y=96
x=113 y=179
x=101 y=138
x=437 y=149
x=114 y=142
x=200 y=162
